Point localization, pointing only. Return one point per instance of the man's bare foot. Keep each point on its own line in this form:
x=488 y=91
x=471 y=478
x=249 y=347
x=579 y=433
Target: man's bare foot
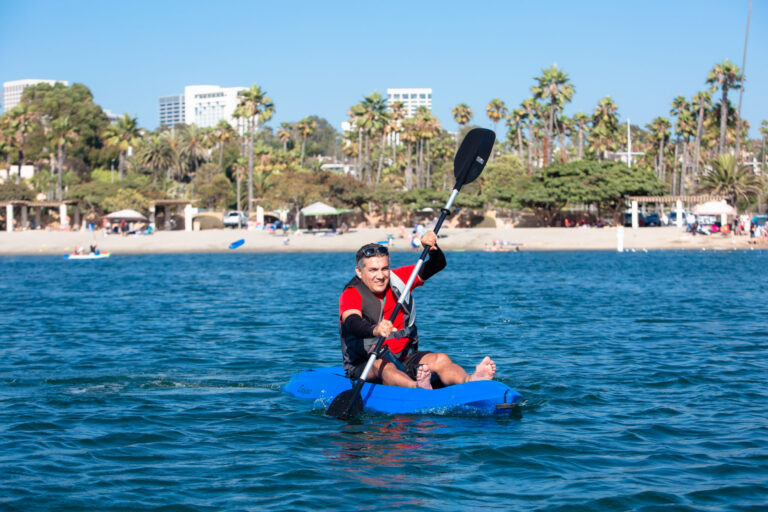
x=485 y=370
x=424 y=377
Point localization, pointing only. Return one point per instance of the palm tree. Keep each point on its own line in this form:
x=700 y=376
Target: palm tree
x=223 y=133
x=725 y=76
x=552 y=86
x=532 y=108
x=564 y=125
x=428 y=128
x=157 y=154
x=397 y=113
x=462 y=114
x=21 y=121
x=729 y=178
x=63 y=135
x=605 y=127
x=284 y=134
x=581 y=119
x=369 y=115
x=496 y=111
x=702 y=100
x=659 y=129
x=679 y=109
x=409 y=136
x=122 y=135
x=764 y=134
x=194 y=150
x=254 y=106
x=515 y=124
x=305 y=128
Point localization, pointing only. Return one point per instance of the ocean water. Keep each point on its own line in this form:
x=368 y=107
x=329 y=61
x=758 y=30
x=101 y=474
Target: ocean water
x=154 y=383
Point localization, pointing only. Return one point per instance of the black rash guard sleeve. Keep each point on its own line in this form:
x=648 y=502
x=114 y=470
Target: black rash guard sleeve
x=433 y=265
x=357 y=326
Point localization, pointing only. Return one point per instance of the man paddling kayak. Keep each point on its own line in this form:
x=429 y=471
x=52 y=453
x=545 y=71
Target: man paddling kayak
x=364 y=308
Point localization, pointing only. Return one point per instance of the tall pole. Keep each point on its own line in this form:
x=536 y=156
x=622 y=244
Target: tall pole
x=629 y=146
x=741 y=89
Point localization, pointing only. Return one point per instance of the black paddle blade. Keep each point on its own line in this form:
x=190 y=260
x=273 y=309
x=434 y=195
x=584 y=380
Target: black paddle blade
x=347 y=404
x=472 y=155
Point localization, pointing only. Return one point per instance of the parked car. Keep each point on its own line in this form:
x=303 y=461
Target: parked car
x=628 y=219
x=672 y=218
x=652 y=219
x=235 y=219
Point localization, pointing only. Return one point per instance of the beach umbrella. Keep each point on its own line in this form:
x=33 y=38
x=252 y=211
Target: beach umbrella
x=128 y=215
x=714 y=208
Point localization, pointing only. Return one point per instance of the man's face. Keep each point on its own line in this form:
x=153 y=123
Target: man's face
x=375 y=273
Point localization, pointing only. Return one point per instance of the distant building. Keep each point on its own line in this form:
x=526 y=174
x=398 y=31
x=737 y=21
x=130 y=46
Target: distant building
x=113 y=118
x=171 y=110
x=12 y=90
x=411 y=99
x=201 y=105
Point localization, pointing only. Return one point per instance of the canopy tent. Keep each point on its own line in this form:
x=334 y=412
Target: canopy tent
x=318 y=209
x=714 y=208
x=128 y=215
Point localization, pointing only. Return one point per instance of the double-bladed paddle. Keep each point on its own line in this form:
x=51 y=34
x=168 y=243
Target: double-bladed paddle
x=467 y=165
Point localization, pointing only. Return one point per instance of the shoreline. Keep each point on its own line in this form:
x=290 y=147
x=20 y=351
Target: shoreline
x=451 y=239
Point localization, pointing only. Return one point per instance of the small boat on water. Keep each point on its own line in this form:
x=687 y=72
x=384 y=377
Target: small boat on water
x=88 y=256
x=478 y=397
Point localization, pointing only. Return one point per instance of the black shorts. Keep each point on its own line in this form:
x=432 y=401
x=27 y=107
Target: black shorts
x=410 y=365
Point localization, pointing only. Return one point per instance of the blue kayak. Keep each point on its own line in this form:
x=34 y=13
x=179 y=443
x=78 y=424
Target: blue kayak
x=478 y=397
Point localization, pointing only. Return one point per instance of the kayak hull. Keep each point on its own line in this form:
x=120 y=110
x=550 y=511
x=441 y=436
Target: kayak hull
x=478 y=397
x=88 y=256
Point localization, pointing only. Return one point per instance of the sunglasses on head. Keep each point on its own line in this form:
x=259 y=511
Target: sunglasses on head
x=380 y=250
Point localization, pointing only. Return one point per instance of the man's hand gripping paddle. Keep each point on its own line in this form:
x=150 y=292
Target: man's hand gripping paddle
x=467 y=165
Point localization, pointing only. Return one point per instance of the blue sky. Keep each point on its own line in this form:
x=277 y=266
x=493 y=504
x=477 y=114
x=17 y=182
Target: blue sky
x=321 y=57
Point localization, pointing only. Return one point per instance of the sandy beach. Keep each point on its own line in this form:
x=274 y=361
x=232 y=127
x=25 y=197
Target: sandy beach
x=527 y=239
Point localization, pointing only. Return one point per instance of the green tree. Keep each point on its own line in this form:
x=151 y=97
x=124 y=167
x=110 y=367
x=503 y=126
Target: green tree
x=51 y=102
x=22 y=118
x=126 y=199
x=217 y=193
x=729 y=178
x=725 y=76
x=554 y=88
x=121 y=136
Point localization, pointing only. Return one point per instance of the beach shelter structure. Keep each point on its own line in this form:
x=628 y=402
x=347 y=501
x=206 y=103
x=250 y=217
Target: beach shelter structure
x=128 y=215
x=721 y=208
x=38 y=208
x=714 y=208
x=320 y=209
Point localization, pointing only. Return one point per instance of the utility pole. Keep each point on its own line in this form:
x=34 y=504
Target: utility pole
x=629 y=146
x=741 y=89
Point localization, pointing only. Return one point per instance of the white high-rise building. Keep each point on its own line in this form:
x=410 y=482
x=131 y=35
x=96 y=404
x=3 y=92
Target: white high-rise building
x=12 y=90
x=171 y=110
x=201 y=105
x=411 y=99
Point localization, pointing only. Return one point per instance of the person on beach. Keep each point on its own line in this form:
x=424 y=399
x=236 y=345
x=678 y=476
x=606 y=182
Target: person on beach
x=365 y=306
